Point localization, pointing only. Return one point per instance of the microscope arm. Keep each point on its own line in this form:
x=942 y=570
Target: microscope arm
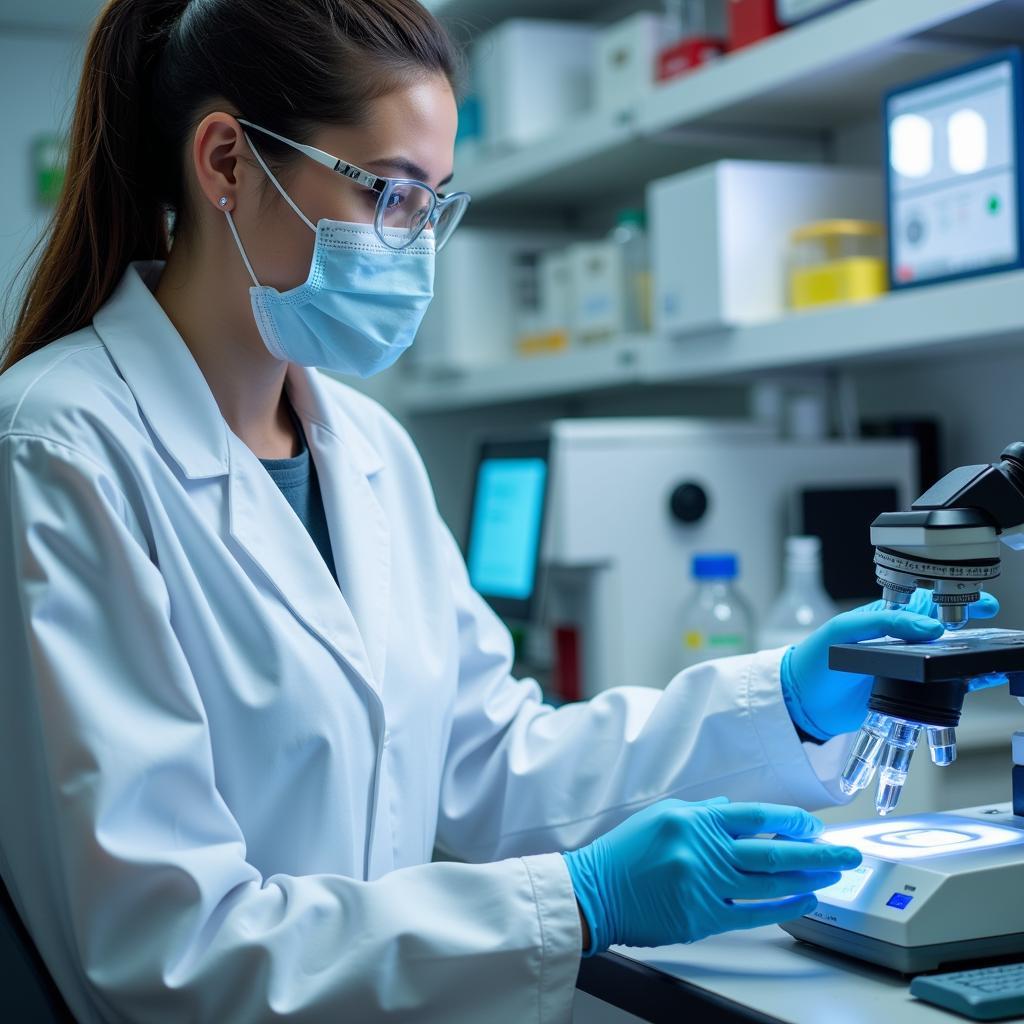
x=996 y=491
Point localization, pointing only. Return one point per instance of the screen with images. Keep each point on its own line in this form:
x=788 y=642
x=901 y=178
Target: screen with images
x=953 y=174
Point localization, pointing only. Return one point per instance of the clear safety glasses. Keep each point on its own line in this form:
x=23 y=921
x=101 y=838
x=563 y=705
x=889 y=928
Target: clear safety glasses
x=404 y=206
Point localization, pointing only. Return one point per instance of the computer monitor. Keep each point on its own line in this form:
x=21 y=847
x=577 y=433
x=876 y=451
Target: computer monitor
x=507 y=524
x=953 y=162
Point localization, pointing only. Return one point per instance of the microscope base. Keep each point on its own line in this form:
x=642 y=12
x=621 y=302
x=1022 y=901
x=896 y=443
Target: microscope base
x=904 y=959
x=933 y=890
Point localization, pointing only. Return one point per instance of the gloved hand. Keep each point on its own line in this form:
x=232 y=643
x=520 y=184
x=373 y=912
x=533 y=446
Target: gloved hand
x=670 y=873
x=824 y=703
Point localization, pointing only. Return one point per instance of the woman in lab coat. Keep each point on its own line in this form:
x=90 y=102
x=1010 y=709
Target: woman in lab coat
x=247 y=686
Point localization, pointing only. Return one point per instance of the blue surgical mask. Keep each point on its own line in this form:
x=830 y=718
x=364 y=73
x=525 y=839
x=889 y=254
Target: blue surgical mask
x=360 y=307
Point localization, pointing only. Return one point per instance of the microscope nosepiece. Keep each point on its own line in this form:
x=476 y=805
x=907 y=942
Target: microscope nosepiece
x=955 y=584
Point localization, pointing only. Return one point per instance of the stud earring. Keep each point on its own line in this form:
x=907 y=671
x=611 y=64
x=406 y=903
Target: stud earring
x=223 y=200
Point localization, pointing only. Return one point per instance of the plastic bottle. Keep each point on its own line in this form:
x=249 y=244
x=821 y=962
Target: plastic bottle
x=630 y=235
x=803 y=605
x=718 y=622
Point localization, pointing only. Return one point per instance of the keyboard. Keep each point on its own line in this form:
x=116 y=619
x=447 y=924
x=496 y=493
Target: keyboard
x=989 y=993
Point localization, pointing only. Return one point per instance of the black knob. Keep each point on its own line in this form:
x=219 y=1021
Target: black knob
x=689 y=503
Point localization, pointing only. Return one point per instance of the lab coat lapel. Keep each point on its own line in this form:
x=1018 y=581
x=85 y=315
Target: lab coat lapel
x=349 y=467
x=264 y=525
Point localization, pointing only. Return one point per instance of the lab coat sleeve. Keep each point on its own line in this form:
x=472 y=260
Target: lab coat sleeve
x=127 y=864
x=522 y=777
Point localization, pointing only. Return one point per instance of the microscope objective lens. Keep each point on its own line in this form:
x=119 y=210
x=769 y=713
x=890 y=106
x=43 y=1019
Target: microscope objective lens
x=899 y=750
x=890 y=786
x=953 y=616
x=866 y=753
x=942 y=746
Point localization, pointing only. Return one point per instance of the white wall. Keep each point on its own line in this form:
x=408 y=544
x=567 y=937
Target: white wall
x=38 y=75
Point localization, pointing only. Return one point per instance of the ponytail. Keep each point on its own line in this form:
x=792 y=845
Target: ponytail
x=109 y=212
x=150 y=67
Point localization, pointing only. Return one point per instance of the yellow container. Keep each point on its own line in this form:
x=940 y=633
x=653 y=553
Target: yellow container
x=836 y=261
x=543 y=343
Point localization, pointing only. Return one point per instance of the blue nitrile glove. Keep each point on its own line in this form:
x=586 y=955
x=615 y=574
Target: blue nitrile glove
x=823 y=703
x=670 y=873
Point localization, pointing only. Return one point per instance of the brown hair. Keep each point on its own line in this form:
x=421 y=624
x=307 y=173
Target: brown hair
x=151 y=67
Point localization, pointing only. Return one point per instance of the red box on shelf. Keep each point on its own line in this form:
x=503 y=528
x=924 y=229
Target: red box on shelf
x=750 y=21
x=687 y=55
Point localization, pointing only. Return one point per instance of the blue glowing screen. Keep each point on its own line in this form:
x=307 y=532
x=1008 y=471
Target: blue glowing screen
x=507 y=514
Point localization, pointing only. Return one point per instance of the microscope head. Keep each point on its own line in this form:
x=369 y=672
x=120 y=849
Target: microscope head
x=949 y=541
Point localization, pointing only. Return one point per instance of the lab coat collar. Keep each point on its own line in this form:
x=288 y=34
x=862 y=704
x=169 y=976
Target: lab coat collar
x=173 y=393
x=307 y=391
x=162 y=374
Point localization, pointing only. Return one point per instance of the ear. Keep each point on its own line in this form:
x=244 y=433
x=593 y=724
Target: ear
x=218 y=152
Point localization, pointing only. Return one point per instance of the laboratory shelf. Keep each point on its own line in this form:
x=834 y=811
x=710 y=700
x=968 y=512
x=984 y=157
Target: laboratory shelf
x=593 y=368
x=482 y=14
x=590 y=156
x=598 y=156
x=919 y=323
x=820 y=73
x=775 y=100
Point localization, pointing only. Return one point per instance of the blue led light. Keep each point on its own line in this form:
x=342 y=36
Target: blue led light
x=899 y=900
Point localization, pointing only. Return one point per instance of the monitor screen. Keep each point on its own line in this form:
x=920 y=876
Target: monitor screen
x=953 y=173
x=506 y=524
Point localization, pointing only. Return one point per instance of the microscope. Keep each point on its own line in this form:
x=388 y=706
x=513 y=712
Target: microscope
x=935 y=889
x=948 y=543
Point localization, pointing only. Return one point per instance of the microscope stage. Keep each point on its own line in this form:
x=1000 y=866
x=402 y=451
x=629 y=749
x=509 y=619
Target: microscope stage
x=933 y=890
x=957 y=655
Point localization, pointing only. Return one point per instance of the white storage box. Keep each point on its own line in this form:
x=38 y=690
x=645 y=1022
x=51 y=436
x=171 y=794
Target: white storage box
x=597 y=285
x=626 y=59
x=533 y=77
x=719 y=236
x=473 y=318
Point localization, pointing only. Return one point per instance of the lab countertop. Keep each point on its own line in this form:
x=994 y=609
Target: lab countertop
x=763 y=976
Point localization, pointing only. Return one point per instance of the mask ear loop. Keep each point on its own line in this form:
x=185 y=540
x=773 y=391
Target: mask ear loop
x=284 y=195
x=241 y=249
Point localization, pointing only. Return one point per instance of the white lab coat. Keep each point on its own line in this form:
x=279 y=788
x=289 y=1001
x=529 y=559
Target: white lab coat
x=222 y=778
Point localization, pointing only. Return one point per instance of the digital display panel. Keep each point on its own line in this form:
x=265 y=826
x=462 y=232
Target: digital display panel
x=848 y=887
